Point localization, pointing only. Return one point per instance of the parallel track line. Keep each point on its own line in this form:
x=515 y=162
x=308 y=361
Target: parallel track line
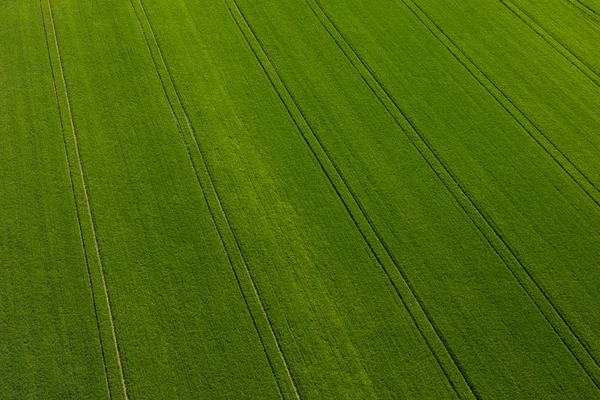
x=77 y=212
x=87 y=204
x=530 y=22
x=593 y=11
x=520 y=117
x=188 y=130
x=585 y=10
x=483 y=223
x=354 y=208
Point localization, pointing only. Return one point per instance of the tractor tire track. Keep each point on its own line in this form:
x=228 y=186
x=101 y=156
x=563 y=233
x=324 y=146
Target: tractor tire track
x=399 y=281
x=585 y=10
x=76 y=204
x=552 y=41
x=591 y=10
x=484 y=224
x=522 y=119
x=227 y=237
x=87 y=206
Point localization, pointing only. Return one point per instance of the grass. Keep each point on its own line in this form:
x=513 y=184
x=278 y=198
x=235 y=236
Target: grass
x=301 y=199
x=151 y=221
x=50 y=346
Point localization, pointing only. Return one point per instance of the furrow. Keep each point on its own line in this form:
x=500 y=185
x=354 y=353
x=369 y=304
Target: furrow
x=246 y=284
x=84 y=203
x=485 y=225
x=552 y=41
x=404 y=289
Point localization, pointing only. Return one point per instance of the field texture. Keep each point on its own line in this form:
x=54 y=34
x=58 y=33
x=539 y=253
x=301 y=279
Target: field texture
x=300 y=199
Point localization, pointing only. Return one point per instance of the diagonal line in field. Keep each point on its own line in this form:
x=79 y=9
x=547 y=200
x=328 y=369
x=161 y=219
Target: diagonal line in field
x=552 y=41
x=522 y=119
x=585 y=10
x=77 y=211
x=483 y=223
x=224 y=228
x=591 y=10
x=553 y=313
x=86 y=204
x=366 y=228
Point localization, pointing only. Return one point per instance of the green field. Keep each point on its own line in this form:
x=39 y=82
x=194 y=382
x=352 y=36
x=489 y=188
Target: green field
x=300 y=199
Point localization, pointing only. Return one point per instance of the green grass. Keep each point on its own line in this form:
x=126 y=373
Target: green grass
x=180 y=320
x=547 y=86
x=340 y=131
x=298 y=246
x=547 y=222
x=50 y=346
x=310 y=199
x=570 y=35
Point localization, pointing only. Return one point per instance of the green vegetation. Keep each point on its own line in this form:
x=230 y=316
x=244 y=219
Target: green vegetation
x=305 y=199
x=50 y=346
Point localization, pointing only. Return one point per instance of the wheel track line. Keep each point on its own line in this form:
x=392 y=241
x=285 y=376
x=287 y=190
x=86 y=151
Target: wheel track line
x=199 y=180
x=522 y=119
x=190 y=131
x=572 y=341
x=552 y=41
x=399 y=281
x=593 y=11
x=77 y=212
x=87 y=202
x=593 y=195
x=585 y=10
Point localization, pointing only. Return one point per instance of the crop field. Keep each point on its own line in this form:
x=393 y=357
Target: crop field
x=300 y=199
